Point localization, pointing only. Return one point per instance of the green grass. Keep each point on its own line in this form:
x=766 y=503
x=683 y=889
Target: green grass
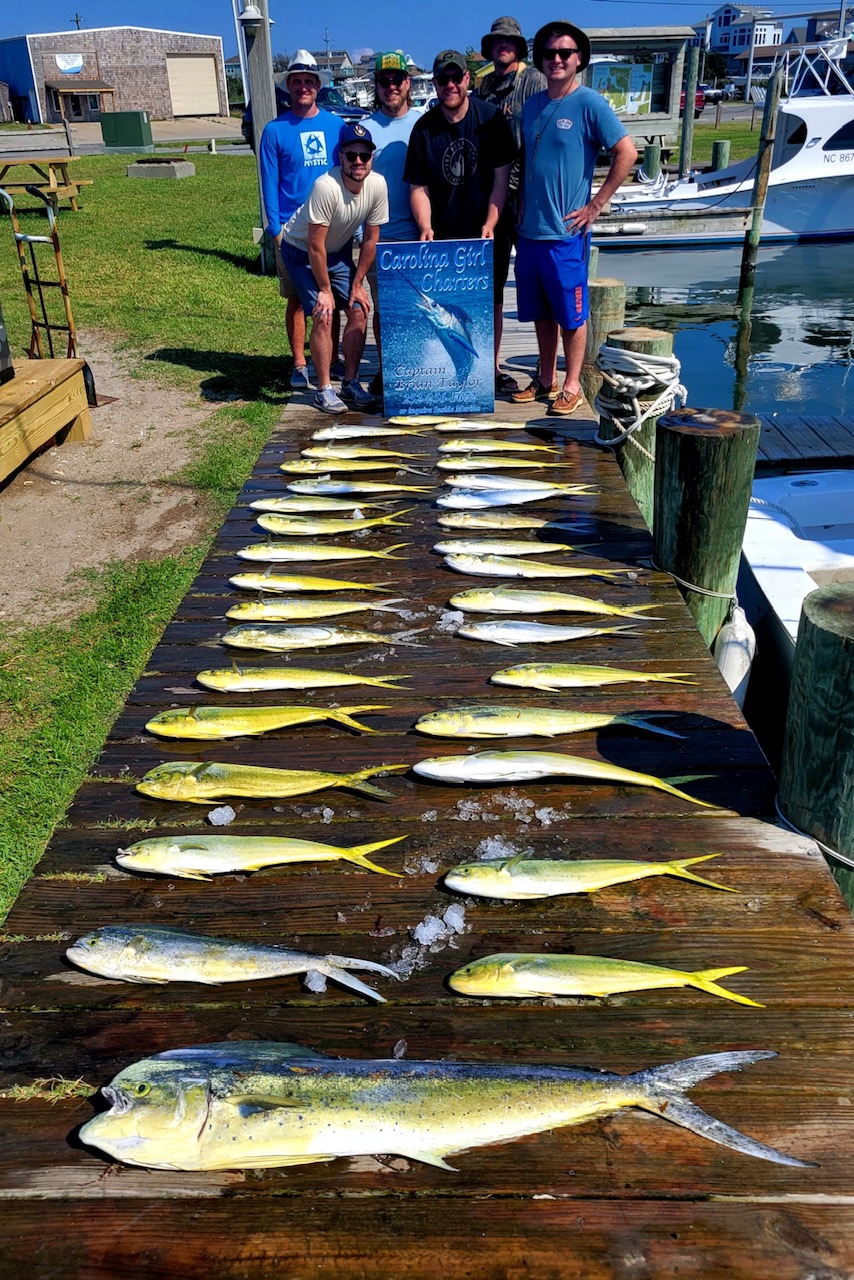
x=169 y=271
x=743 y=141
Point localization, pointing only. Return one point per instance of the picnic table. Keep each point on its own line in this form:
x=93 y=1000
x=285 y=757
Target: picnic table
x=52 y=176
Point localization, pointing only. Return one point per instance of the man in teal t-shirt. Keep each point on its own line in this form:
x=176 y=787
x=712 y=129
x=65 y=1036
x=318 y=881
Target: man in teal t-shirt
x=563 y=130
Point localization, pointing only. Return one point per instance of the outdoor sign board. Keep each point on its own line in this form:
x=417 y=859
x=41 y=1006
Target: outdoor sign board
x=626 y=85
x=436 y=325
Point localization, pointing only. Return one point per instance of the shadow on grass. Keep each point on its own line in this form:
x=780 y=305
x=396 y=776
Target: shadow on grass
x=240 y=260
x=233 y=376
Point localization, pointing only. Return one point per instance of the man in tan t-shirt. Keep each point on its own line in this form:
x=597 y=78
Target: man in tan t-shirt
x=317 y=248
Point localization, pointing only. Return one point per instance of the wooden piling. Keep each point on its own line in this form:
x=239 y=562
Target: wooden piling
x=703 y=478
x=652 y=160
x=636 y=455
x=686 y=144
x=720 y=154
x=607 y=313
x=760 y=188
x=817 y=770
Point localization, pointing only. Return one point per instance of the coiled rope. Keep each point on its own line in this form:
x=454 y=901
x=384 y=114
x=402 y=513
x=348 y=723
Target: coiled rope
x=628 y=375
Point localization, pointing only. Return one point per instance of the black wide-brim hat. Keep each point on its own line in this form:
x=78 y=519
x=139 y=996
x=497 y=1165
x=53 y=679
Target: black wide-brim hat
x=560 y=28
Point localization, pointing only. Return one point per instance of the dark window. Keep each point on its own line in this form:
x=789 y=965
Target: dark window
x=798 y=134
x=842 y=140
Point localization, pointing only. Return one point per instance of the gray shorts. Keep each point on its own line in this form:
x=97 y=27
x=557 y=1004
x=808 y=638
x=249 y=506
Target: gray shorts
x=287 y=288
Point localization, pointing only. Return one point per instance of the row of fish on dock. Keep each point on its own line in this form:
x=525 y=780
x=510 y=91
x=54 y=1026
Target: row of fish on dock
x=260 y=1104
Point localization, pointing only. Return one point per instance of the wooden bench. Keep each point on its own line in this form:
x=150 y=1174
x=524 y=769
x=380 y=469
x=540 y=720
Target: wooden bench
x=46 y=398
x=50 y=174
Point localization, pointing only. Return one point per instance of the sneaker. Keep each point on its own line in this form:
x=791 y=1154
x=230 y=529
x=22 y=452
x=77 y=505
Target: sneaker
x=328 y=402
x=336 y=369
x=300 y=381
x=535 y=391
x=355 y=394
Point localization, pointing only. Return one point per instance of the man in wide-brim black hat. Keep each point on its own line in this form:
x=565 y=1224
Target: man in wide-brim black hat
x=563 y=130
x=508 y=87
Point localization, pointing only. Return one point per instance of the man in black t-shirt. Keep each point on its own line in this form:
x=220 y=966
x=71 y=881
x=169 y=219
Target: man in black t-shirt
x=459 y=158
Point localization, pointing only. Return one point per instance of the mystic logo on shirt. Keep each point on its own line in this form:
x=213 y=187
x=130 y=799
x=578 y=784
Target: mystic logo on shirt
x=313 y=148
x=459 y=162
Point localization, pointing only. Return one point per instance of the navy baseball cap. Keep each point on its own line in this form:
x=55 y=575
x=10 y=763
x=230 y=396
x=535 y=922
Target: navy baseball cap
x=355 y=133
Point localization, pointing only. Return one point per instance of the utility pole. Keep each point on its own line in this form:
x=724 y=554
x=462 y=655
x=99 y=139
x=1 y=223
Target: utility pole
x=77 y=20
x=255 y=21
x=326 y=42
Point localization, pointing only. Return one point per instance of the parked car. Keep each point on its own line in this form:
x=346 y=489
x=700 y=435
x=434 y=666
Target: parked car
x=733 y=92
x=699 y=102
x=712 y=94
x=329 y=99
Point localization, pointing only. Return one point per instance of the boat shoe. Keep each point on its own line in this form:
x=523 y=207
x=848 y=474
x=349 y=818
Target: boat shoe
x=534 y=391
x=566 y=403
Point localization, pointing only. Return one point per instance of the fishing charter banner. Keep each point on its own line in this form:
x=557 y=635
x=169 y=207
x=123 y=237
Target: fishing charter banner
x=436 y=324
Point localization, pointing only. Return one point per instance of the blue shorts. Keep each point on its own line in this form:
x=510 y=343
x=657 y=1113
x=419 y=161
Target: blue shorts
x=551 y=280
x=340 y=266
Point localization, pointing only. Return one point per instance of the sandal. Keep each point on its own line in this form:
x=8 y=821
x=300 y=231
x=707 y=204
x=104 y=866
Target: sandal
x=566 y=403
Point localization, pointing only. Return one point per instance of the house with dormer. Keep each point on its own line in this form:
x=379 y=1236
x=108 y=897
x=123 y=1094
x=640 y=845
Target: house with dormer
x=732 y=29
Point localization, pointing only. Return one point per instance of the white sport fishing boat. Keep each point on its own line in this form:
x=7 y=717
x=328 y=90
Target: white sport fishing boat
x=810 y=188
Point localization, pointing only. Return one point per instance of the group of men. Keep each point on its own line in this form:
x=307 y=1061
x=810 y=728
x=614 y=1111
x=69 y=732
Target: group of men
x=512 y=162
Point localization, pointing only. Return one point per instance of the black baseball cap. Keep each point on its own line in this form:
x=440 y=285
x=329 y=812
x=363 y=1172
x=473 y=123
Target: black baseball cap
x=449 y=58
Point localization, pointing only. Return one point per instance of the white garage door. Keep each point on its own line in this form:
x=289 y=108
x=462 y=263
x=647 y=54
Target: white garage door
x=193 y=84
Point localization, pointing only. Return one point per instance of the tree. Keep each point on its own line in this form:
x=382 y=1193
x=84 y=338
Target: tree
x=716 y=66
x=280 y=62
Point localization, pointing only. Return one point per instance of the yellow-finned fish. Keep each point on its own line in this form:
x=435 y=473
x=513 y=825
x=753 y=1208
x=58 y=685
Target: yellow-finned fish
x=339 y=488
x=295 y=505
x=275 y=639
x=328 y=466
x=554 y=676
x=489 y=483
x=254 y=1104
x=467 y=444
x=201 y=856
x=258 y=679
x=300 y=552
x=460 y=499
x=518 y=974
x=253 y=580
x=352 y=431
x=296 y=608
x=491 y=566
x=525 y=766
x=464 y=462
x=475 y=424
x=498 y=520
x=424 y=420
x=196 y=782
x=212 y=724
x=492 y=721
x=154 y=953
x=521 y=878
x=296 y=526
x=521 y=600
x=342 y=452
x=499 y=547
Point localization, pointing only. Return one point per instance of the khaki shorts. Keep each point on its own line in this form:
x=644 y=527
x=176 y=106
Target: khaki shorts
x=287 y=289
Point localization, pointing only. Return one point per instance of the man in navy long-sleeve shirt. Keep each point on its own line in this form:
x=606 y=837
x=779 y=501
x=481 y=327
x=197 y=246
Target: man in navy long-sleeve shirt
x=295 y=149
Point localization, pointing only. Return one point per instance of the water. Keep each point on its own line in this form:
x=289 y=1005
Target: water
x=802 y=326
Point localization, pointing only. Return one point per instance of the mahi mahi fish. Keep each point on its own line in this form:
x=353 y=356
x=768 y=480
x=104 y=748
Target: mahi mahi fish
x=328 y=466
x=462 y=462
x=552 y=676
x=274 y=639
x=521 y=974
x=493 y=721
x=301 y=552
x=197 y=782
x=339 y=488
x=525 y=766
x=499 y=547
x=490 y=483
x=200 y=856
x=522 y=600
x=521 y=878
x=254 y=580
x=212 y=724
x=256 y=679
x=491 y=566
x=477 y=499
x=452 y=326
x=356 y=451
x=244 y=1104
x=294 y=505
x=296 y=608
x=499 y=520
x=294 y=526
x=512 y=631
x=353 y=431
x=154 y=953
x=465 y=444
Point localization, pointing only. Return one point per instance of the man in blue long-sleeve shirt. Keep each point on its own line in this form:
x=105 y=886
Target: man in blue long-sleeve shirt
x=295 y=149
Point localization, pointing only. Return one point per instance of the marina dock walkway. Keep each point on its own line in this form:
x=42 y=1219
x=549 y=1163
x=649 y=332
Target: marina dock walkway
x=626 y=1196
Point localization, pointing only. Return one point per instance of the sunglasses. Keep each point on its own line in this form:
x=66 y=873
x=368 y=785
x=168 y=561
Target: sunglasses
x=355 y=156
x=549 y=55
x=449 y=77
x=386 y=82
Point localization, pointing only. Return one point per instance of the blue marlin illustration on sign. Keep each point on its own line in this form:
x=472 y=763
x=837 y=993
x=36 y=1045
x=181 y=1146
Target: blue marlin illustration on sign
x=435 y=305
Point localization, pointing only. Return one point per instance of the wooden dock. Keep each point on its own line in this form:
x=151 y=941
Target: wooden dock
x=623 y=1197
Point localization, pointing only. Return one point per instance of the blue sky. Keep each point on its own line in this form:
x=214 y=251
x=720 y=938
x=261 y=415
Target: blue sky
x=421 y=29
